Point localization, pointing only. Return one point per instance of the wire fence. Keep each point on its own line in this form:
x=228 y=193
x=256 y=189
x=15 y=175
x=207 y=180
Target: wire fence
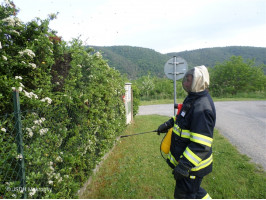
x=48 y=153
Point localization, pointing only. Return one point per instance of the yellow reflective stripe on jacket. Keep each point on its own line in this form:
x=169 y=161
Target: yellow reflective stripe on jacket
x=207 y=196
x=203 y=164
x=186 y=134
x=172 y=159
x=181 y=133
x=193 y=158
x=201 y=139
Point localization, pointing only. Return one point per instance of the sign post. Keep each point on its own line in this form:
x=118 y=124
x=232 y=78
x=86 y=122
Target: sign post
x=175 y=69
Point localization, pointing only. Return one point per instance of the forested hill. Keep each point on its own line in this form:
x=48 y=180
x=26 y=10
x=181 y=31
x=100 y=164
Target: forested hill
x=210 y=56
x=138 y=61
x=134 y=61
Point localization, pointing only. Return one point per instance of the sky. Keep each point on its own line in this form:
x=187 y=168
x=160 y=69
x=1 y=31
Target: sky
x=162 y=25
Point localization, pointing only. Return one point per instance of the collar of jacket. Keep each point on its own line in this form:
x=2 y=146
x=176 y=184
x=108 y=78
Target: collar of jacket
x=195 y=95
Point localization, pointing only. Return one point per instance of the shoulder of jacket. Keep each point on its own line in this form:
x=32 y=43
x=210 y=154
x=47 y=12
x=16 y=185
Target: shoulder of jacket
x=203 y=103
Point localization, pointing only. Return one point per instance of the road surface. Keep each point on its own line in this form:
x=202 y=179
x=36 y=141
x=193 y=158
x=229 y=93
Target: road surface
x=243 y=123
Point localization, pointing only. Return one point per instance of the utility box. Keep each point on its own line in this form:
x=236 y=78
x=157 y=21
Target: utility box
x=128 y=100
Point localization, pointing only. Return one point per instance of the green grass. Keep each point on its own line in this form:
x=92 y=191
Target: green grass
x=171 y=101
x=135 y=169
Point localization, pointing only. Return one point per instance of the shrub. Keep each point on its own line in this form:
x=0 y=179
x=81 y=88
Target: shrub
x=71 y=102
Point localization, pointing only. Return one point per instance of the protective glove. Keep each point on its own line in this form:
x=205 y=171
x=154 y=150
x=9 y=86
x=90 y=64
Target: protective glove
x=162 y=128
x=181 y=171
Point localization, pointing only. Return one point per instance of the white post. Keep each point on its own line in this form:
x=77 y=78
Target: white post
x=128 y=103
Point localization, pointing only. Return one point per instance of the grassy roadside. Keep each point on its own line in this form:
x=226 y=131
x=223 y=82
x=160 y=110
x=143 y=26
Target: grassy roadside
x=135 y=169
x=171 y=101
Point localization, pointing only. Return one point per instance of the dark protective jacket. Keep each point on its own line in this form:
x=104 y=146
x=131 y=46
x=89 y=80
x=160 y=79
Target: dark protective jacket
x=192 y=136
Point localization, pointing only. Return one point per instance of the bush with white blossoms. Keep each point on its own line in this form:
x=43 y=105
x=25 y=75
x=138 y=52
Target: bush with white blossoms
x=71 y=106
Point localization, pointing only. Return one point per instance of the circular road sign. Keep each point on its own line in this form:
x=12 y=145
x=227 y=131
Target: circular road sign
x=181 y=68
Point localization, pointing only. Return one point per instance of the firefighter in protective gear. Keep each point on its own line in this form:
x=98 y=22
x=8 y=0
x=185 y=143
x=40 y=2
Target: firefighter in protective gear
x=190 y=153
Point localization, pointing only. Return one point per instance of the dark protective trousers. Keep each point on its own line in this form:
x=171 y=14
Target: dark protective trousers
x=189 y=188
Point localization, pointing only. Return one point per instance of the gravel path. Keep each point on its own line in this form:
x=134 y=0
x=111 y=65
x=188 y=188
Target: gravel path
x=242 y=122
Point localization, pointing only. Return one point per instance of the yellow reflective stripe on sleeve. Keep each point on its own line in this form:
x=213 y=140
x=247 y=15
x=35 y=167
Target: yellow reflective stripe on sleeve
x=181 y=133
x=207 y=196
x=203 y=164
x=193 y=158
x=172 y=159
x=201 y=139
x=176 y=130
x=185 y=133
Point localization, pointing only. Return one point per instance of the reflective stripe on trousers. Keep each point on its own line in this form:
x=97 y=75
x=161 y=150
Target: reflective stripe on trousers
x=201 y=165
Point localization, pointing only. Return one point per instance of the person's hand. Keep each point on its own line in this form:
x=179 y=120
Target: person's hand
x=163 y=128
x=180 y=171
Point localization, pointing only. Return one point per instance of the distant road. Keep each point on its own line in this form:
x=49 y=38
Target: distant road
x=241 y=122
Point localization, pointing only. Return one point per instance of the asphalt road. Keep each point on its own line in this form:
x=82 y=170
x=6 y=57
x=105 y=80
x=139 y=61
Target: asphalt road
x=243 y=123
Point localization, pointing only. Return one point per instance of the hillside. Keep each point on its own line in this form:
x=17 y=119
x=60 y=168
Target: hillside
x=210 y=56
x=134 y=61
x=137 y=61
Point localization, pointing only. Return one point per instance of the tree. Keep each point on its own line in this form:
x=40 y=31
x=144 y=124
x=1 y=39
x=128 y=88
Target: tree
x=236 y=76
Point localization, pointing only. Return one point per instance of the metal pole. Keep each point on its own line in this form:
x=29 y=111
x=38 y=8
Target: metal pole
x=18 y=126
x=174 y=59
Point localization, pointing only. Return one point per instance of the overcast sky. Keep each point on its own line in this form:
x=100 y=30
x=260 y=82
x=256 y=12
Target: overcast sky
x=163 y=25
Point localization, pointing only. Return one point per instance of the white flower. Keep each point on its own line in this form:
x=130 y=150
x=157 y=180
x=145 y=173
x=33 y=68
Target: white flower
x=30 y=94
x=50 y=182
x=51 y=168
x=37 y=122
x=40 y=121
x=4 y=58
x=13 y=88
x=59 y=159
x=20 y=89
x=0 y=45
x=32 y=65
x=21 y=85
x=47 y=99
x=98 y=54
x=58 y=177
x=28 y=52
x=19 y=156
x=18 y=77
x=14 y=31
x=10 y=21
x=3 y=129
x=43 y=131
x=29 y=132
x=33 y=191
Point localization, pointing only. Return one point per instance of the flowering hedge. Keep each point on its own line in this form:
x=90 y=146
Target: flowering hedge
x=71 y=102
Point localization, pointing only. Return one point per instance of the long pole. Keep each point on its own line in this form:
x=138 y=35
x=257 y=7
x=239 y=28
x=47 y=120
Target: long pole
x=174 y=59
x=122 y=136
x=18 y=126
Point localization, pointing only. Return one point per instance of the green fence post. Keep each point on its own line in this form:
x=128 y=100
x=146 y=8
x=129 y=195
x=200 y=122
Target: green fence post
x=18 y=126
